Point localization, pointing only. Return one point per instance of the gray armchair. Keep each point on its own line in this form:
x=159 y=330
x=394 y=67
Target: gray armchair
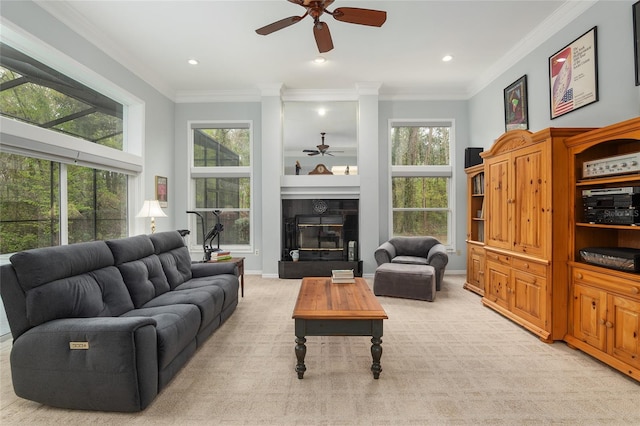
x=414 y=250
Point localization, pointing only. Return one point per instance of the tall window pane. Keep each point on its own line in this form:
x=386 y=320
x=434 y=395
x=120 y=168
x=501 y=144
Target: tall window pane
x=96 y=204
x=222 y=185
x=421 y=180
x=29 y=203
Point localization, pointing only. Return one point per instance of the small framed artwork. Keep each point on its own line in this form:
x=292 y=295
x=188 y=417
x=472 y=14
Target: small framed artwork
x=573 y=75
x=162 y=191
x=636 y=39
x=516 y=111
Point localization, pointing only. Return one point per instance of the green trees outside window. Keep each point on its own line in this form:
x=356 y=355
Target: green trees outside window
x=420 y=183
x=222 y=181
x=31 y=201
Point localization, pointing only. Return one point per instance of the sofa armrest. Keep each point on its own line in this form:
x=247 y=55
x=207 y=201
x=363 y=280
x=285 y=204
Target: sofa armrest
x=209 y=269
x=438 y=257
x=104 y=363
x=384 y=253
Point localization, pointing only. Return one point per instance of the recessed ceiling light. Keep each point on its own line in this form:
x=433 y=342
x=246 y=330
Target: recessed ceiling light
x=320 y=60
x=447 y=58
x=322 y=111
x=193 y=61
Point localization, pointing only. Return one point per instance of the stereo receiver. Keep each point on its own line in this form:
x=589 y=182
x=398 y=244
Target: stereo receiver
x=620 y=164
x=616 y=206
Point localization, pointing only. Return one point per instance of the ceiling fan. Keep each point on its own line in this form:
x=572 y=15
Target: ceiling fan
x=315 y=9
x=322 y=148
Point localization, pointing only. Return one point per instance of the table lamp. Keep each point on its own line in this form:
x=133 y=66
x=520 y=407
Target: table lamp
x=152 y=209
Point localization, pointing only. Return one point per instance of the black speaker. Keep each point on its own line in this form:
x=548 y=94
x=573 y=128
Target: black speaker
x=472 y=157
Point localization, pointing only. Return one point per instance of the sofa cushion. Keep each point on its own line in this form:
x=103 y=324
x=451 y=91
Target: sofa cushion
x=223 y=286
x=42 y=265
x=209 y=303
x=176 y=328
x=174 y=257
x=413 y=260
x=132 y=248
x=98 y=293
x=413 y=246
x=144 y=278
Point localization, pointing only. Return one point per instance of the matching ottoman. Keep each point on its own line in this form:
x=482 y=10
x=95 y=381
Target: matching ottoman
x=405 y=280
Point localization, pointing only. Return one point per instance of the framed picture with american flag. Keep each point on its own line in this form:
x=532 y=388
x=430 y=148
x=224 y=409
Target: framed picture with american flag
x=573 y=75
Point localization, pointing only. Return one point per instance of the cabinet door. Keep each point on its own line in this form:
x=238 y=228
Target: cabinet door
x=497 y=285
x=529 y=301
x=476 y=268
x=623 y=341
x=498 y=202
x=531 y=205
x=589 y=315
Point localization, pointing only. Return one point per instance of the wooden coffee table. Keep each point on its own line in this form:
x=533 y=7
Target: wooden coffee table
x=327 y=309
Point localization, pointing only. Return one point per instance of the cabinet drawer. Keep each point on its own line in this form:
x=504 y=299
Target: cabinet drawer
x=530 y=267
x=476 y=250
x=498 y=258
x=607 y=282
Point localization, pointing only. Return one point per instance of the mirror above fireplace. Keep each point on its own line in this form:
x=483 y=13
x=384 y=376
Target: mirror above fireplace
x=303 y=125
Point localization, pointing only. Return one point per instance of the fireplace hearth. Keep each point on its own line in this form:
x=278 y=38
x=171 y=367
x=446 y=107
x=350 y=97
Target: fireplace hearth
x=324 y=232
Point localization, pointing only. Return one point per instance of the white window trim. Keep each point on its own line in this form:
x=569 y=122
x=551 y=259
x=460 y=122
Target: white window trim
x=220 y=172
x=428 y=171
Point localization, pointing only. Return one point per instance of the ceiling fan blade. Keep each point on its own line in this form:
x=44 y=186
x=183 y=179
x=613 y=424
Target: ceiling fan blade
x=355 y=15
x=313 y=153
x=323 y=37
x=310 y=150
x=278 y=25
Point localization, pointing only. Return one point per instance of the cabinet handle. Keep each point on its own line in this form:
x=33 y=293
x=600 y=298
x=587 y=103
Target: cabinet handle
x=526 y=266
x=609 y=324
x=601 y=321
x=635 y=290
x=579 y=275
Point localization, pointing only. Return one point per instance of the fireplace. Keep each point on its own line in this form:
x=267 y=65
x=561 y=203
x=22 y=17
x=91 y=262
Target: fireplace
x=325 y=233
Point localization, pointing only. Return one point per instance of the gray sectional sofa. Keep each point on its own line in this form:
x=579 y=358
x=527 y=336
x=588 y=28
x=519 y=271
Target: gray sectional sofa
x=105 y=325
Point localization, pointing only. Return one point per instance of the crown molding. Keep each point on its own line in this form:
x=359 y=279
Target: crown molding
x=566 y=13
x=79 y=24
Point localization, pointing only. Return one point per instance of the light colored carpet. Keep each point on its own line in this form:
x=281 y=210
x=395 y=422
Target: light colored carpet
x=452 y=361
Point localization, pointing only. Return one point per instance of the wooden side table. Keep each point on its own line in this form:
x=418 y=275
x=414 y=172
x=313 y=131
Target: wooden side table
x=239 y=261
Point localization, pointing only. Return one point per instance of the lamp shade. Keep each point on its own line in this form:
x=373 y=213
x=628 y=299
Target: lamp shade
x=151 y=208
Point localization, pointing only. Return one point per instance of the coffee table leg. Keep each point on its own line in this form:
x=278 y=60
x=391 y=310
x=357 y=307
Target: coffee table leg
x=301 y=351
x=376 y=353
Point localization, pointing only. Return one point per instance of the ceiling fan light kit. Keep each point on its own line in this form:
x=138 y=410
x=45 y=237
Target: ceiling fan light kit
x=322 y=149
x=351 y=15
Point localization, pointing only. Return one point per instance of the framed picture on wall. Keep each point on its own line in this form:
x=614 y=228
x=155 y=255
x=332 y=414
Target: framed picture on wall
x=162 y=191
x=516 y=111
x=636 y=39
x=573 y=75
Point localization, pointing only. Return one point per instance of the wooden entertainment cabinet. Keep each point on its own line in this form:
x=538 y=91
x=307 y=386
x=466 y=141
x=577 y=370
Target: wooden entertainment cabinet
x=526 y=238
x=604 y=308
x=535 y=227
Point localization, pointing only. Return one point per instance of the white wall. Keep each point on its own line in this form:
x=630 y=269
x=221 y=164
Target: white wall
x=479 y=121
x=619 y=98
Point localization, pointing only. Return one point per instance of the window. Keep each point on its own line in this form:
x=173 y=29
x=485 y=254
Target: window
x=421 y=176
x=64 y=165
x=32 y=199
x=37 y=94
x=221 y=183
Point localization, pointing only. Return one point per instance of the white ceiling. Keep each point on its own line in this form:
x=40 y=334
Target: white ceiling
x=156 y=38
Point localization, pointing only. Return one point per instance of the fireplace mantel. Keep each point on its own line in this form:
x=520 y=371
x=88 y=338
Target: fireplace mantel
x=323 y=186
